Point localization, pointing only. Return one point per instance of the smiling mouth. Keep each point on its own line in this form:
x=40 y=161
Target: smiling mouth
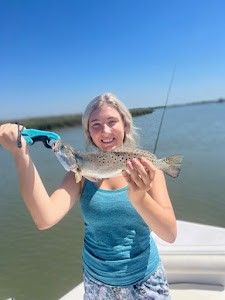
x=107 y=141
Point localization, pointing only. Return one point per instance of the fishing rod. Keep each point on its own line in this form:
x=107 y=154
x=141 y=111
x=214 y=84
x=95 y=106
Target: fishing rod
x=164 y=108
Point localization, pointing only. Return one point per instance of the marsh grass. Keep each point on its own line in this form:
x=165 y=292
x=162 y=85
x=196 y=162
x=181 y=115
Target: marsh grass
x=49 y=122
x=53 y=122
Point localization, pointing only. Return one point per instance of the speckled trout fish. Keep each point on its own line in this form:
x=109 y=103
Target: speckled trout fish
x=100 y=165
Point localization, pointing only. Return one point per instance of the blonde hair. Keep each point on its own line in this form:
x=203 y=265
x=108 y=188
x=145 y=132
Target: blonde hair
x=131 y=135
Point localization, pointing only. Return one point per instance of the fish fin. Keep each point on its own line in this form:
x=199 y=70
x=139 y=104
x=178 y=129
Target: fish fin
x=118 y=149
x=170 y=165
x=78 y=176
x=124 y=148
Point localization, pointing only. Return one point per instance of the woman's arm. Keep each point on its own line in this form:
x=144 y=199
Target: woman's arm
x=149 y=195
x=45 y=210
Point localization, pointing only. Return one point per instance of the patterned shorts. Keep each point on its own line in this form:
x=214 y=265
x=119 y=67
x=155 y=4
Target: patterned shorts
x=153 y=288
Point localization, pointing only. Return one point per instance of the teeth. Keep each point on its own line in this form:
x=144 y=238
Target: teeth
x=107 y=141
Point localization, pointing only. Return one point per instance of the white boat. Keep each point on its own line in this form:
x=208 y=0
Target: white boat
x=195 y=263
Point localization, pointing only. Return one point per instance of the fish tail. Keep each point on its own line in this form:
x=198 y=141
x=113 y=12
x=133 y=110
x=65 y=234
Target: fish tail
x=170 y=165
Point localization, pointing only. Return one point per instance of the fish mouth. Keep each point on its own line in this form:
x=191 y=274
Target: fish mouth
x=56 y=146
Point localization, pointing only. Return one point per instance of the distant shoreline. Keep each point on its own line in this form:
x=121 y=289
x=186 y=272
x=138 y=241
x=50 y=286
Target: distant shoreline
x=221 y=100
x=62 y=121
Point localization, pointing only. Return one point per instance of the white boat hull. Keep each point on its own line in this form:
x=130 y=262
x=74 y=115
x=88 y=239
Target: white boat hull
x=195 y=263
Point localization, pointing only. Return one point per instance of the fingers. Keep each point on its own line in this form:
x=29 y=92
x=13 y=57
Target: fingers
x=10 y=136
x=129 y=180
x=10 y=130
x=140 y=173
x=149 y=167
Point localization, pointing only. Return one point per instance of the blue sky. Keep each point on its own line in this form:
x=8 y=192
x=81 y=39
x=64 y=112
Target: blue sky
x=55 y=56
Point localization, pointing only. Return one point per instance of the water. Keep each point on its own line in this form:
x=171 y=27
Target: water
x=44 y=265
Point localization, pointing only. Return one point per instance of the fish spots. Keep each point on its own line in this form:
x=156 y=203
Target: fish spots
x=118 y=157
x=102 y=160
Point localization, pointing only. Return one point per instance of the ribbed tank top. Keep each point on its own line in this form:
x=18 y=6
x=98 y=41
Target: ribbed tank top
x=118 y=247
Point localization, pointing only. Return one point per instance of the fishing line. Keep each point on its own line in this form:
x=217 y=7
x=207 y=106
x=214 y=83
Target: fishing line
x=164 y=108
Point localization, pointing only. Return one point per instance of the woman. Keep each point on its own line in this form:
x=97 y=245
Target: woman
x=120 y=258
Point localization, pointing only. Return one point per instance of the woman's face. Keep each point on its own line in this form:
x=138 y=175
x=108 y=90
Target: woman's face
x=106 y=128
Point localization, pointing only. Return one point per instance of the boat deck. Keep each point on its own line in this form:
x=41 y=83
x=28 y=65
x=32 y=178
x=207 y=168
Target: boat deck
x=197 y=292
x=195 y=263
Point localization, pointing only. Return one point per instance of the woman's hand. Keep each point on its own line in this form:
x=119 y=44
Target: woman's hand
x=8 y=138
x=139 y=174
x=149 y=196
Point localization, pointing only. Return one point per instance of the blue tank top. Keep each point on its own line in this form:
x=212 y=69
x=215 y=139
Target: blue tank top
x=118 y=247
